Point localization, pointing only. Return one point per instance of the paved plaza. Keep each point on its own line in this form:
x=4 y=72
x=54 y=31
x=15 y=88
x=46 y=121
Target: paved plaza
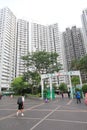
x=59 y=114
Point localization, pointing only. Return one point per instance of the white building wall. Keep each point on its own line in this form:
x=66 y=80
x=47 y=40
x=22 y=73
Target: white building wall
x=7 y=47
x=22 y=47
x=38 y=37
x=84 y=26
x=47 y=38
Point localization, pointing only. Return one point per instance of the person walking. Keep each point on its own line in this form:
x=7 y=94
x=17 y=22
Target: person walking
x=62 y=95
x=78 y=97
x=68 y=94
x=0 y=96
x=20 y=103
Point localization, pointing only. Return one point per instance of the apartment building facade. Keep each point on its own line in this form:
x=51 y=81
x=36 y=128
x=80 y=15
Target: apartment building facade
x=18 y=38
x=73 y=45
x=22 y=46
x=7 y=47
x=84 y=26
x=47 y=38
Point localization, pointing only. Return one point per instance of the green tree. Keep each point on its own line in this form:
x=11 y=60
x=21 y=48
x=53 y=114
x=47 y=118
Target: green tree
x=80 y=64
x=63 y=87
x=75 y=80
x=83 y=64
x=18 y=85
x=75 y=65
x=42 y=62
x=84 y=88
x=33 y=79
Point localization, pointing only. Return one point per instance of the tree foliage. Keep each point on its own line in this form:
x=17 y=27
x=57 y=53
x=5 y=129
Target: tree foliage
x=36 y=63
x=80 y=64
x=75 y=80
x=33 y=79
x=84 y=88
x=39 y=63
x=18 y=85
x=63 y=87
x=83 y=64
x=43 y=62
x=75 y=65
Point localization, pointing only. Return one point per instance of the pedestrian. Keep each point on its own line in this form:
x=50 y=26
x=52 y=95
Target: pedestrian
x=0 y=96
x=68 y=94
x=78 y=97
x=46 y=100
x=85 y=98
x=20 y=103
x=62 y=95
x=11 y=96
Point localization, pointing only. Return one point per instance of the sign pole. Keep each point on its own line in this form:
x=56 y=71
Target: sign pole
x=42 y=87
x=50 y=87
x=70 y=86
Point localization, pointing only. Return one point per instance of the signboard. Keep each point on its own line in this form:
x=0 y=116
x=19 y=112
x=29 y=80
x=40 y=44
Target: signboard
x=60 y=74
x=74 y=72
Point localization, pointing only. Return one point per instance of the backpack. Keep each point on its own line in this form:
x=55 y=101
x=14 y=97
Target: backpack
x=78 y=95
x=19 y=101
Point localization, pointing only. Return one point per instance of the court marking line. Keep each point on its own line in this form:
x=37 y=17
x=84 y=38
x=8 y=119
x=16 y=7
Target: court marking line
x=55 y=120
x=33 y=107
x=73 y=107
x=44 y=118
x=69 y=102
x=78 y=110
x=41 y=109
x=25 y=118
x=72 y=110
x=3 y=118
x=68 y=121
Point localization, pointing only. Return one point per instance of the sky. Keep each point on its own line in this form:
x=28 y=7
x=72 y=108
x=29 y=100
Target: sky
x=66 y=13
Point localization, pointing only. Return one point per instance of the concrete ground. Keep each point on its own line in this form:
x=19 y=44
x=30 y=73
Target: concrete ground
x=60 y=114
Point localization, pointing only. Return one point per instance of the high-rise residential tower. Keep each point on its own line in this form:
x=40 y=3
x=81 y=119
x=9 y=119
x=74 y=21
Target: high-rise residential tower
x=22 y=45
x=47 y=38
x=38 y=37
x=84 y=24
x=7 y=47
x=73 y=44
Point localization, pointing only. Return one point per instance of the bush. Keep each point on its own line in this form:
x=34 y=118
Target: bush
x=84 y=88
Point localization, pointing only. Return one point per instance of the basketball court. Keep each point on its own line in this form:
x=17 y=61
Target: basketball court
x=59 y=114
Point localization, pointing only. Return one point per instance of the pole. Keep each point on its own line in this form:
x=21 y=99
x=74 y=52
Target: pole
x=80 y=79
x=70 y=86
x=42 y=87
x=81 y=83
x=50 y=87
